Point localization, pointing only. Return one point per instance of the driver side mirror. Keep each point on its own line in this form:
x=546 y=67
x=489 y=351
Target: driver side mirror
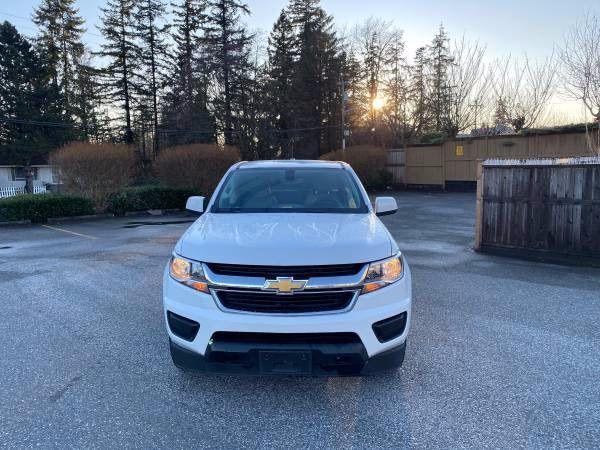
x=195 y=205
x=385 y=206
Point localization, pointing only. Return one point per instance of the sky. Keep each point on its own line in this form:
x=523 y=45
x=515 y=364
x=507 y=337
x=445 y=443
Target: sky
x=506 y=27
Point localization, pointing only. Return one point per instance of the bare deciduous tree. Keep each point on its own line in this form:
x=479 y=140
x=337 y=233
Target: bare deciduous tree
x=469 y=79
x=580 y=55
x=374 y=41
x=524 y=88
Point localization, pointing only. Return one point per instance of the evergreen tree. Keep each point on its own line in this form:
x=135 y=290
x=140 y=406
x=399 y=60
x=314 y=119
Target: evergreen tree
x=420 y=92
x=93 y=124
x=151 y=32
x=501 y=113
x=256 y=137
x=186 y=114
x=315 y=89
x=122 y=52
x=61 y=29
x=397 y=91
x=280 y=77
x=29 y=100
x=227 y=49
x=440 y=61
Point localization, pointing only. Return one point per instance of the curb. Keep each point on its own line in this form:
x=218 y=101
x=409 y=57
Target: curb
x=153 y=212
x=55 y=220
x=15 y=223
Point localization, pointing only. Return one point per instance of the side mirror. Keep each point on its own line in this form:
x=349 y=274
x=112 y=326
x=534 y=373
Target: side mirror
x=195 y=205
x=385 y=206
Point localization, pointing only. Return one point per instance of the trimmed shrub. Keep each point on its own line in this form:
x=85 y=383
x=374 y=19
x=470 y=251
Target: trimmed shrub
x=195 y=166
x=143 y=198
x=94 y=170
x=369 y=163
x=40 y=207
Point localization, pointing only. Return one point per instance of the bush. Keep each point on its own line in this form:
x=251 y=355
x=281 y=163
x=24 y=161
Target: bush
x=94 y=170
x=369 y=163
x=195 y=166
x=147 y=197
x=433 y=137
x=40 y=207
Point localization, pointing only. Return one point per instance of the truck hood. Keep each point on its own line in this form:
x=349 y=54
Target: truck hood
x=286 y=239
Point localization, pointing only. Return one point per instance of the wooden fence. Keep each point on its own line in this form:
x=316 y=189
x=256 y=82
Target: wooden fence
x=456 y=160
x=543 y=209
x=396 y=164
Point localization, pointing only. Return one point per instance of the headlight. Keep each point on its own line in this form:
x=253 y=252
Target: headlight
x=382 y=273
x=189 y=273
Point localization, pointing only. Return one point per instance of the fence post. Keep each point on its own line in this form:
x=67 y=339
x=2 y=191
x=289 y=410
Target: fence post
x=479 y=206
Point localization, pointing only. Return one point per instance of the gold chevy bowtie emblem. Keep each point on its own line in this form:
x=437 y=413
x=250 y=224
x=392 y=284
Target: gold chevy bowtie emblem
x=285 y=285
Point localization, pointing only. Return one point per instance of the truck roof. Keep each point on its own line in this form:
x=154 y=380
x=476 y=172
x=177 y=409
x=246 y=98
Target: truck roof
x=290 y=163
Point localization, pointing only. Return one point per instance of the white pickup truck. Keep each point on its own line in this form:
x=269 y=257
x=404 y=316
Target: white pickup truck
x=288 y=270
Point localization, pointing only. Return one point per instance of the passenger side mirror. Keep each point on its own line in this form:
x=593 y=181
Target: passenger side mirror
x=385 y=206
x=195 y=205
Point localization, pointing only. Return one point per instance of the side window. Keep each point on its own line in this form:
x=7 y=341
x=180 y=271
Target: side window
x=18 y=174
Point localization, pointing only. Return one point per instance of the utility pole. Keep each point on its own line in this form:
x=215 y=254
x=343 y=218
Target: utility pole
x=476 y=106
x=344 y=101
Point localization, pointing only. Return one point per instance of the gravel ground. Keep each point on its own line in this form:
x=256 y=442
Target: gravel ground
x=502 y=353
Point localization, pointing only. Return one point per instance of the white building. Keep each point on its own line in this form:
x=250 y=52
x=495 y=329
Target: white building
x=12 y=179
x=42 y=173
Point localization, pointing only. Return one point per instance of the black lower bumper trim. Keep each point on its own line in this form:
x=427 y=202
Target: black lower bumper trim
x=182 y=327
x=326 y=360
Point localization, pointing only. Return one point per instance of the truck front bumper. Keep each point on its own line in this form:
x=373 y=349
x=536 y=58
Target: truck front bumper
x=370 y=336
x=249 y=359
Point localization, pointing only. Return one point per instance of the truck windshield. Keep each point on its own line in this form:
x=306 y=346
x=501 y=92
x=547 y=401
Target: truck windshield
x=310 y=190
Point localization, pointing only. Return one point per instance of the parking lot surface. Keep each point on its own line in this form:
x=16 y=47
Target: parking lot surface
x=502 y=353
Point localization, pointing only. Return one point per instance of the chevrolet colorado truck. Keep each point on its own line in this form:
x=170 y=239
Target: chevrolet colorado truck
x=288 y=270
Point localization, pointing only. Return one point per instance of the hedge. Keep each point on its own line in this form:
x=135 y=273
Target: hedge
x=194 y=166
x=40 y=207
x=369 y=162
x=94 y=170
x=144 y=198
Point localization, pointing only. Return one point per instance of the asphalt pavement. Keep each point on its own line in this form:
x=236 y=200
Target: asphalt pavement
x=503 y=353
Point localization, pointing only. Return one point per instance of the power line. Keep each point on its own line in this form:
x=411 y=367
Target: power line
x=160 y=130
x=37 y=122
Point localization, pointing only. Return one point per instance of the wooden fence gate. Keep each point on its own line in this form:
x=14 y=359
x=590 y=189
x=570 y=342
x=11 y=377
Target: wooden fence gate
x=543 y=209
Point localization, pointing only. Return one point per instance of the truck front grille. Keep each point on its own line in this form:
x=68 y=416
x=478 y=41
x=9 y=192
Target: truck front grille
x=298 y=272
x=300 y=302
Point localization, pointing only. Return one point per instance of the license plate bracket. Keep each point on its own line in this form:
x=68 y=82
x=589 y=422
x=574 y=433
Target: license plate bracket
x=284 y=362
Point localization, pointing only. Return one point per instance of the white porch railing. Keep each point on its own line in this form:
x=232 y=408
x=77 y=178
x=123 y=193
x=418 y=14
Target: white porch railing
x=39 y=189
x=17 y=188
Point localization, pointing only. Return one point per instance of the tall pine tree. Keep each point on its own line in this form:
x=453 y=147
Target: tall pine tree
x=122 y=52
x=440 y=60
x=280 y=73
x=151 y=32
x=186 y=116
x=59 y=39
x=419 y=87
x=29 y=97
x=227 y=50
x=317 y=73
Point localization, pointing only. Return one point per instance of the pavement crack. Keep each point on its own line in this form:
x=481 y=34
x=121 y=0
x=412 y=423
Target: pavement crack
x=62 y=391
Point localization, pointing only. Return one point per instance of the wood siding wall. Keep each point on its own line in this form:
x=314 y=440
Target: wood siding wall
x=424 y=165
x=456 y=160
x=548 y=211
